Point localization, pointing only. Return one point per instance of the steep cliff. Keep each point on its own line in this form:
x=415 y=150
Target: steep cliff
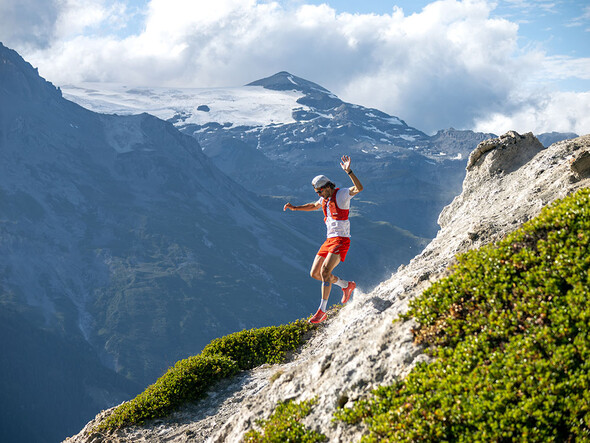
x=509 y=180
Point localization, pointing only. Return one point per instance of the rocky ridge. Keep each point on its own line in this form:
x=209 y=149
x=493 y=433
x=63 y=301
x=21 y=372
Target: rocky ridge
x=509 y=180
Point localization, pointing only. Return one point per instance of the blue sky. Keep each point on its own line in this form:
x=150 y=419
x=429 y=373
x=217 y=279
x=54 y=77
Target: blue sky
x=472 y=64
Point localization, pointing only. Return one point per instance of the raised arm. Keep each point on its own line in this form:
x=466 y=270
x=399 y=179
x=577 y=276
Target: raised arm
x=345 y=164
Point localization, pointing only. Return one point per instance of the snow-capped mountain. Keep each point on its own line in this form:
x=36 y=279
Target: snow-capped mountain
x=124 y=248
x=252 y=112
x=273 y=135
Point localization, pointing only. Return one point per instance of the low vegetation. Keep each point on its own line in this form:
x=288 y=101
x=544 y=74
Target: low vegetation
x=190 y=378
x=285 y=425
x=510 y=332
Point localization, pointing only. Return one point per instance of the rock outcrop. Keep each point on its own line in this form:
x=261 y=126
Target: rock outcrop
x=509 y=180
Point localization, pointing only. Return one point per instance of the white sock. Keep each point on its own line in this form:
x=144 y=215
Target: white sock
x=324 y=305
x=342 y=283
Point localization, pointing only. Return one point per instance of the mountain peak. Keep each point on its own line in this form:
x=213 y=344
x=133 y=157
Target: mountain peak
x=315 y=96
x=19 y=79
x=284 y=81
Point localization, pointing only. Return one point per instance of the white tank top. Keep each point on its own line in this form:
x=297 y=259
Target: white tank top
x=338 y=228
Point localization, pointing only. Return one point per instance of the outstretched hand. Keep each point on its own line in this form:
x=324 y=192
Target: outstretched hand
x=345 y=163
x=288 y=206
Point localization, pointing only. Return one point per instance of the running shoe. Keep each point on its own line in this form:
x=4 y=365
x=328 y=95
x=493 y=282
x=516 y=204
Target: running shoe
x=319 y=317
x=347 y=292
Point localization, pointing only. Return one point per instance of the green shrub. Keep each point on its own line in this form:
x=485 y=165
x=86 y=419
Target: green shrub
x=190 y=378
x=187 y=381
x=285 y=425
x=254 y=347
x=510 y=332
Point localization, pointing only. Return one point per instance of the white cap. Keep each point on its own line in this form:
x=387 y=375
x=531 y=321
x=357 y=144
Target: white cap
x=319 y=181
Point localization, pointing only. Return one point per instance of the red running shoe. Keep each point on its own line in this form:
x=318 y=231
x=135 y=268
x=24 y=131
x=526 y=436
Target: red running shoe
x=319 y=317
x=347 y=292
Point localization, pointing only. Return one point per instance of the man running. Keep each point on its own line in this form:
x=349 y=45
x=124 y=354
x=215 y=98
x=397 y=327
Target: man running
x=335 y=203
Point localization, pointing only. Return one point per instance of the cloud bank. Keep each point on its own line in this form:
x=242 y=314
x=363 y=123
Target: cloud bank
x=452 y=64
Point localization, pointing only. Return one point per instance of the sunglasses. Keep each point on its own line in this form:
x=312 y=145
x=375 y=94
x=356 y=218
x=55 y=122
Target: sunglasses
x=318 y=190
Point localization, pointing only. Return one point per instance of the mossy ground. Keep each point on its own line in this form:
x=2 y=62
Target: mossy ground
x=510 y=332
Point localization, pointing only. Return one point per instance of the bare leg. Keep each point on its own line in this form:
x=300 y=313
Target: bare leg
x=322 y=270
x=316 y=268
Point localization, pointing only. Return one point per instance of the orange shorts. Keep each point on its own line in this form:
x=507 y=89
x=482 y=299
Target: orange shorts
x=335 y=245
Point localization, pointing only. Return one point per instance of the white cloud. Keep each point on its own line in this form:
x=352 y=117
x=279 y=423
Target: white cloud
x=564 y=67
x=581 y=20
x=452 y=64
x=551 y=111
x=27 y=22
x=529 y=6
x=76 y=16
x=41 y=23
